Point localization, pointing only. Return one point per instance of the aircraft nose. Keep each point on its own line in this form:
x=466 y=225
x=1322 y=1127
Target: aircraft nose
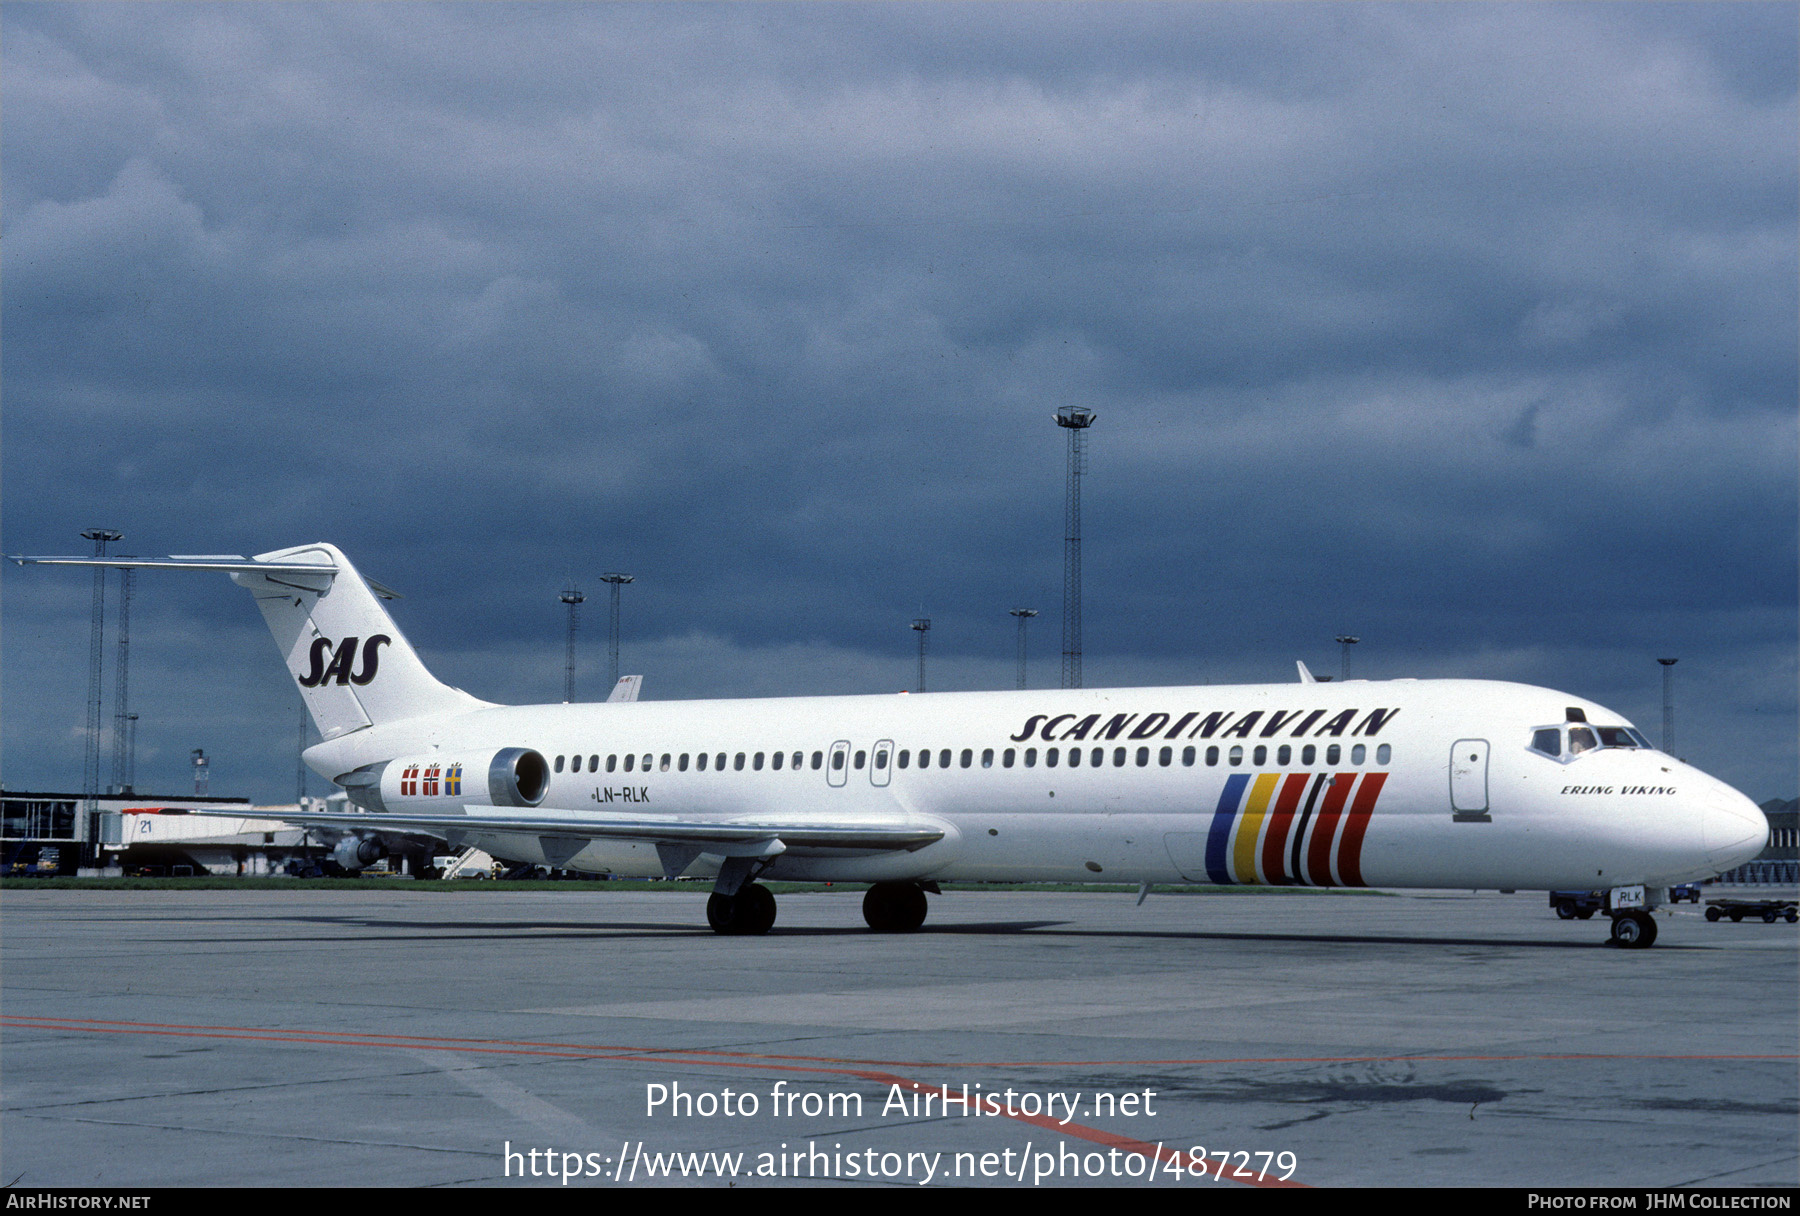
x=1734 y=828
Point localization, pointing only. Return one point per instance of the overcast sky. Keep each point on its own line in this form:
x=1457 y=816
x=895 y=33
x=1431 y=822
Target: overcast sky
x=1469 y=329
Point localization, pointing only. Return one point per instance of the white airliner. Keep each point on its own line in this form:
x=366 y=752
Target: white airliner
x=1399 y=783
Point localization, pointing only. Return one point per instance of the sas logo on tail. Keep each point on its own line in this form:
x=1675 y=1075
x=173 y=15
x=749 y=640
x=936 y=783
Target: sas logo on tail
x=343 y=659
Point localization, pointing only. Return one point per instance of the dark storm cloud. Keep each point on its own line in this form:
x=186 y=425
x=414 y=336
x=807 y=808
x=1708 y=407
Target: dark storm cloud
x=1468 y=328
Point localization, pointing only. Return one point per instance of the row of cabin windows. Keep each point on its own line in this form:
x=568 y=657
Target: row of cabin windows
x=1284 y=755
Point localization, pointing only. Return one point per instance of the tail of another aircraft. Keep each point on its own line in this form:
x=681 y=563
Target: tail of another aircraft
x=353 y=666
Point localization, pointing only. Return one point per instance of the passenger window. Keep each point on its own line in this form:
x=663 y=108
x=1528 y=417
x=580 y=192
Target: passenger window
x=837 y=762
x=924 y=757
x=1383 y=754
x=756 y=762
x=719 y=762
x=1118 y=757
x=664 y=766
x=1097 y=757
x=1261 y=756
x=1164 y=756
x=968 y=757
x=646 y=764
x=1284 y=755
x=630 y=763
x=798 y=757
x=699 y=763
x=1333 y=753
x=1050 y=758
x=683 y=762
x=593 y=764
x=905 y=757
x=944 y=759
x=1031 y=757
x=559 y=761
x=987 y=758
x=860 y=757
x=1236 y=756
x=1007 y=757
x=776 y=759
x=818 y=760
x=1358 y=753
x=1074 y=757
x=881 y=758
x=1143 y=757
x=1308 y=754
x=1187 y=756
x=737 y=763
x=612 y=762
x=1212 y=757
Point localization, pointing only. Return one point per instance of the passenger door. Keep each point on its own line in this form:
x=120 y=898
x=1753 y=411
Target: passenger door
x=1468 y=781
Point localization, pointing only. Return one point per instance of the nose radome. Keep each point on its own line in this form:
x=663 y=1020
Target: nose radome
x=1734 y=828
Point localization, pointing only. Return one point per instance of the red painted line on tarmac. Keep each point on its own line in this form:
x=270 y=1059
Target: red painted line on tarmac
x=1156 y=1154
x=703 y=1055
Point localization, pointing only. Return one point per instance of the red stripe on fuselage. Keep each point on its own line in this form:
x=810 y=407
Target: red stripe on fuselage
x=1281 y=822
x=1350 y=852
x=1318 y=854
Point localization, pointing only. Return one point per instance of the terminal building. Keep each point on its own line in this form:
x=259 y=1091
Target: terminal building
x=60 y=834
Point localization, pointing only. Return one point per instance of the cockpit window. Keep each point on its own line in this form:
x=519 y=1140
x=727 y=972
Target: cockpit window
x=1548 y=740
x=1616 y=736
x=1581 y=739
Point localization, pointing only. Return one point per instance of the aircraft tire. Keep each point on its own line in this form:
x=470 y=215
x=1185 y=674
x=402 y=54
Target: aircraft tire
x=894 y=907
x=749 y=913
x=755 y=910
x=1633 y=930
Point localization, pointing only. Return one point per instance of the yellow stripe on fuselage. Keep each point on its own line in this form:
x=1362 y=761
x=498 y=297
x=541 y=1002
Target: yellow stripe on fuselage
x=1243 y=853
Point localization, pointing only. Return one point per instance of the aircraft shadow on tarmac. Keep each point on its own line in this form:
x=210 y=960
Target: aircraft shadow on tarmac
x=535 y=930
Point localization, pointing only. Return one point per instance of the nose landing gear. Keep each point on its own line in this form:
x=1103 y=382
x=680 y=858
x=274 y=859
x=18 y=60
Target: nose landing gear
x=1634 y=929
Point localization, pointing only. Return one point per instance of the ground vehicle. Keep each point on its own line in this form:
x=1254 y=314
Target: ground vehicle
x=1769 y=910
x=1573 y=905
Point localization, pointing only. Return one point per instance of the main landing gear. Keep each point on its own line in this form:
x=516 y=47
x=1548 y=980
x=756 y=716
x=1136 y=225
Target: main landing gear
x=895 y=907
x=1634 y=929
x=750 y=912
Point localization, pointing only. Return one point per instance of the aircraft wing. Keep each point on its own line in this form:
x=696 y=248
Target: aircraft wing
x=677 y=840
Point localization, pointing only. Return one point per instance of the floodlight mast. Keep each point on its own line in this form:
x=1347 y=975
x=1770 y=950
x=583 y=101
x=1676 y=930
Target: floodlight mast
x=571 y=595
x=1076 y=421
x=1346 y=641
x=614 y=580
x=1024 y=614
x=1668 y=732
x=923 y=626
x=90 y=766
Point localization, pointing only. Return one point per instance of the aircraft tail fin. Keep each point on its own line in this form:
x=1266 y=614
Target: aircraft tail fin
x=626 y=689
x=352 y=664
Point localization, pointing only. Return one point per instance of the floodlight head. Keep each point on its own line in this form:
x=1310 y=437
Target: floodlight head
x=1075 y=417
